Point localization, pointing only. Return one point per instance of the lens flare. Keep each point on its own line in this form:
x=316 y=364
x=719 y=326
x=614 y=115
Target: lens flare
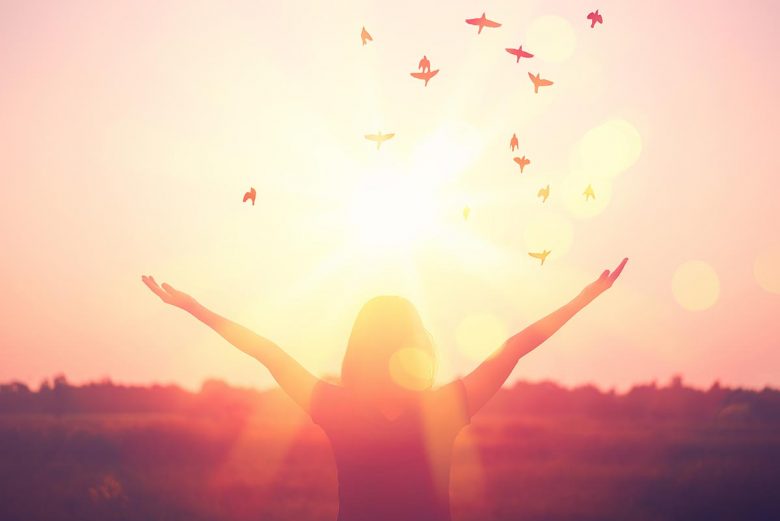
x=608 y=149
x=766 y=270
x=412 y=369
x=695 y=285
x=551 y=38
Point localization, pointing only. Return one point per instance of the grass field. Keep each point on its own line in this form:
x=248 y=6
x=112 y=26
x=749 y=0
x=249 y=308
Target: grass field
x=538 y=452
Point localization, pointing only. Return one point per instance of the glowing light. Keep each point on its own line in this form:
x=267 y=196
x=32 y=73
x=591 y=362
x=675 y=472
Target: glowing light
x=391 y=209
x=695 y=285
x=766 y=270
x=608 y=149
x=412 y=369
x=448 y=151
x=479 y=335
x=548 y=231
x=399 y=207
x=551 y=38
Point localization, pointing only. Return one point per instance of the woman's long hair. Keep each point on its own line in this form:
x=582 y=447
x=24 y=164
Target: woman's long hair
x=389 y=353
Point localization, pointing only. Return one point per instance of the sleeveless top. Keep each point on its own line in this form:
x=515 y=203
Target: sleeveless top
x=392 y=469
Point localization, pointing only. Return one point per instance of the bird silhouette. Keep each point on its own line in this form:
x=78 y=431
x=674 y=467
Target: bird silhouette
x=379 y=138
x=538 y=82
x=544 y=193
x=594 y=18
x=519 y=52
x=541 y=256
x=365 y=37
x=425 y=75
x=589 y=193
x=513 y=144
x=466 y=212
x=250 y=196
x=523 y=162
x=482 y=22
x=425 y=65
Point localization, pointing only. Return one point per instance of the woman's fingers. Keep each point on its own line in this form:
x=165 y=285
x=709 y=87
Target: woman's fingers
x=152 y=285
x=618 y=270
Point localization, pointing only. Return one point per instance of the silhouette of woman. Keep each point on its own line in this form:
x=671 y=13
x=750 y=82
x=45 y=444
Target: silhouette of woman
x=392 y=434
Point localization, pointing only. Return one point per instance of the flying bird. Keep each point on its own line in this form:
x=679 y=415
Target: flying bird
x=466 y=212
x=544 y=193
x=523 y=162
x=519 y=52
x=425 y=75
x=541 y=256
x=365 y=37
x=482 y=22
x=539 y=82
x=250 y=196
x=594 y=18
x=425 y=64
x=589 y=193
x=379 y=138
x=513 y=144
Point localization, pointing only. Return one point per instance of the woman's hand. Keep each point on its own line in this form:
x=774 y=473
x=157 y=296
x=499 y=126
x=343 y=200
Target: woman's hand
x=604 y=282
x=169 y=294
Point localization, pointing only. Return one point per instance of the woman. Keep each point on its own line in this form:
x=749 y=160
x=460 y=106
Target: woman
x=391 y=432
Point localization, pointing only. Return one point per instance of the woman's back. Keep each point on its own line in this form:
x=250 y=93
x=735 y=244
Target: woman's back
x=392 y=468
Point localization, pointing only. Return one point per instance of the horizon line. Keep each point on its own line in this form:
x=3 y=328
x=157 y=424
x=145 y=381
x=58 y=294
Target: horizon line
x=676 y=381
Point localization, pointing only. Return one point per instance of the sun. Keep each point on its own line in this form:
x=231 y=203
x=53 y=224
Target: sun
x=393 y=210
x=416 y=200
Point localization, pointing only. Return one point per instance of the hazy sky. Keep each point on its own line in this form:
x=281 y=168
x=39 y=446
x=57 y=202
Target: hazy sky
x=129 y=131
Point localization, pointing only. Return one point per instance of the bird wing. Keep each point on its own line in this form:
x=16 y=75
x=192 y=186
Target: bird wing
x=535 y=255
x=373 y=137
x=473 y=21
x=545 y=83
x=424 y=75
x=491 y=23
x=514 y=52
x=533 y=78
x=591 y=16
x=385 y=137
x=525 y=54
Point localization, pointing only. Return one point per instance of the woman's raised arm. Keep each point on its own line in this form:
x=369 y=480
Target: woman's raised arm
x=482 y=383
x=289 y=374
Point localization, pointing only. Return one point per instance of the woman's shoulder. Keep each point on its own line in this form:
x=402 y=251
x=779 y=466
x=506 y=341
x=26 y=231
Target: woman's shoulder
x=448 y=403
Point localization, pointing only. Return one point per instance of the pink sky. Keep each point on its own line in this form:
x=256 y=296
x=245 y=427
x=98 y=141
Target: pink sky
x=129 y=132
